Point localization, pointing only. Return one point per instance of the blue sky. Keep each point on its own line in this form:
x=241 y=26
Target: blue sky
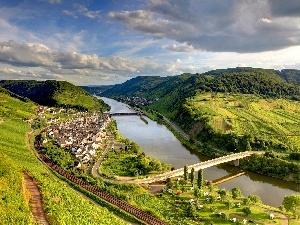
x=110 y=41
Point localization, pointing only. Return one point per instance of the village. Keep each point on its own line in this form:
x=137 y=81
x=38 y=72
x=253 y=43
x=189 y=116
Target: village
x=81 y=135
x=137 y=100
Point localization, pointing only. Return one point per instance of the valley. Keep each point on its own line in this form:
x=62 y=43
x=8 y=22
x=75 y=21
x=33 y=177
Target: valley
x=218 y=123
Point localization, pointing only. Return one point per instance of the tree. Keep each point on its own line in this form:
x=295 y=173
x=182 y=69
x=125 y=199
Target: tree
x=185 y=172
x=254 y=199
x=183 y=189
x=292 y=203
x=192 y=175
x=225 y=216
x=191 y=212
x=182 y=182
x=222 y=192
x=236 y=192
x=229 y=204
x=200 y=179
x=246 y=210
x=169 y=183
x=212 y=199
x=176 y=184
x=197 y=193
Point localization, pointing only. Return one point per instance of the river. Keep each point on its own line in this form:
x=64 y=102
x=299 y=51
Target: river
x=157 y=141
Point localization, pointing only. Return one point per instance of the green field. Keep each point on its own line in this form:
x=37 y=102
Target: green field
x=272 y=119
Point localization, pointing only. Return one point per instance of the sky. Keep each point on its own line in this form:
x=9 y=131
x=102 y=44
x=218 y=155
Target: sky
x=104 y=42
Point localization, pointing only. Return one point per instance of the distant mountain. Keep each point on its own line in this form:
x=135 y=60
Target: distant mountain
x=54 y=93
x=96 y=89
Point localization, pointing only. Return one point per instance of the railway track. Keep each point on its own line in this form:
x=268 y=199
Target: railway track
x=138 y=213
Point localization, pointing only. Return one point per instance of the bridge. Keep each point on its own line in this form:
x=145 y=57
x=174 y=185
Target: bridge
x=124 y=114
x=199 y=166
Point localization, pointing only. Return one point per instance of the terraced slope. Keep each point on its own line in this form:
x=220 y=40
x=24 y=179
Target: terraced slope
x=275 y=120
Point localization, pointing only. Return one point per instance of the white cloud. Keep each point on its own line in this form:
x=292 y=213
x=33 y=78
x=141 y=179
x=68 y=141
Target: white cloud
x=81 y=10
x=70 y=13
x=179 y=48
x=37 y=61
x=54 y=1
x=265 y=20
x=218 y=26
x=52 y=62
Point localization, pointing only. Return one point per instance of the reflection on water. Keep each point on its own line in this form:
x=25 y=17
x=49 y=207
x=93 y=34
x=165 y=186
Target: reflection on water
x=157 y=141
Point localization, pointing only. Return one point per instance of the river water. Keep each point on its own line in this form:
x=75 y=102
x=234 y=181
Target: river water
x=157 y=141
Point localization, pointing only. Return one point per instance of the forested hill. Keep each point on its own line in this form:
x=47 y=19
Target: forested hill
x=291 y=76
x=54 y=93
x=267 y=83
x=172 y=91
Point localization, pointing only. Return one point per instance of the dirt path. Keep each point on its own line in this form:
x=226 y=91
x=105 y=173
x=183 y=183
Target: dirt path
x=35 y=201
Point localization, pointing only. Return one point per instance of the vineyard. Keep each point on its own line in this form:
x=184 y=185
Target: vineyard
x=268 y=119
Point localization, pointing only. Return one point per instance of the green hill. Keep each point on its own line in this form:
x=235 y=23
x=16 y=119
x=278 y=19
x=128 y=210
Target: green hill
x=172 y=91
x=14 y=106
x=62 y=204
x=55 y=93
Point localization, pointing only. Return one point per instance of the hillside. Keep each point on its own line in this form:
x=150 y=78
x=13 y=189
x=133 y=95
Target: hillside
x=291 y=76
x=243 y=121
x=172 y=91
x=54 y=93
x=14 y=106
x=63 y=205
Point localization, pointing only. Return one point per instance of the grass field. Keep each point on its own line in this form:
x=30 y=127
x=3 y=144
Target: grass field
x=275 y=119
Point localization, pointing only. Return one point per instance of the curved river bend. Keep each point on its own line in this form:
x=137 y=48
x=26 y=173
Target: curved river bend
x=157 y=141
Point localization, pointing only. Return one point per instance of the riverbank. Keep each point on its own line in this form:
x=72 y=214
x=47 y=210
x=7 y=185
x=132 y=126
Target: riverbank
x=208 y=211
x=285 y=170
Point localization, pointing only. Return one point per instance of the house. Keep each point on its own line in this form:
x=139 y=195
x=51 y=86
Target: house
x=192 y=201
x=78 y=166
x=200 y=206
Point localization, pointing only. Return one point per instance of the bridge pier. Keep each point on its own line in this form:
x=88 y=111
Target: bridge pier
x=236 y=162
